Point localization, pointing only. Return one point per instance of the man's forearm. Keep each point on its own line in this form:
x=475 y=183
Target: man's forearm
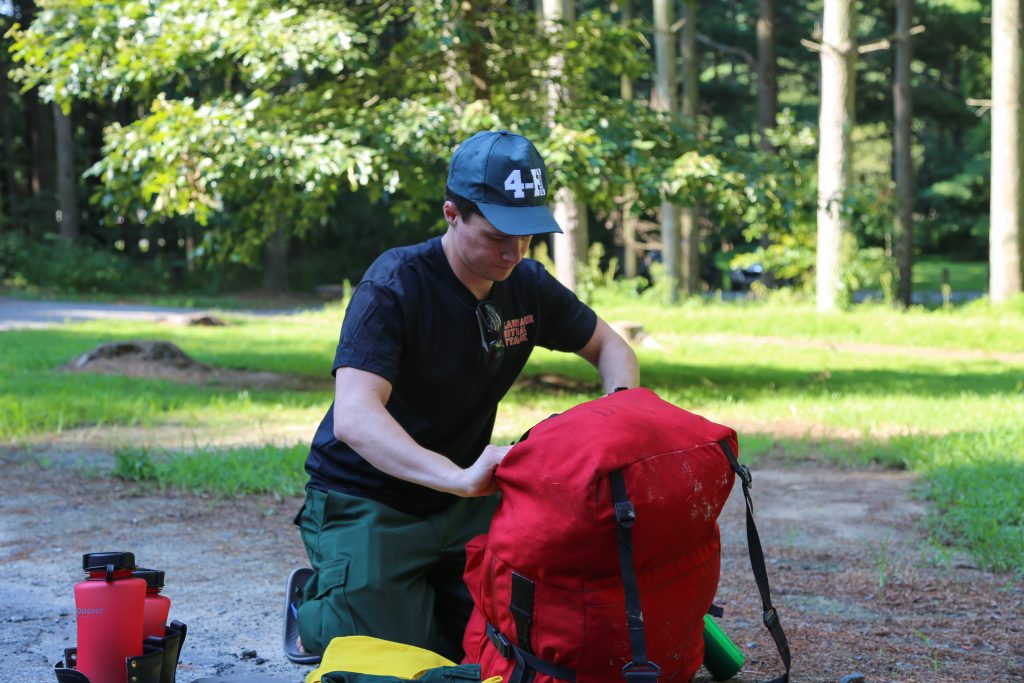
x=618 y=365
x=375 y=435
x=613 y=357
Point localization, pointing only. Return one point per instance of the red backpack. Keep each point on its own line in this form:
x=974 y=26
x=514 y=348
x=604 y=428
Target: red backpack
x=609 y=502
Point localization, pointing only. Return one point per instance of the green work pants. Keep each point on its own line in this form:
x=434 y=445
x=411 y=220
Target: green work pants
x=387 y=574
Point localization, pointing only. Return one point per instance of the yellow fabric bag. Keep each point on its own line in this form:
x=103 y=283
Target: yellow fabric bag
x=363 y=654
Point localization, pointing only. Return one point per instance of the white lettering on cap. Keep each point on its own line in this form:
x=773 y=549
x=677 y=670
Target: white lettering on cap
x=514 y=183
x=538 y=182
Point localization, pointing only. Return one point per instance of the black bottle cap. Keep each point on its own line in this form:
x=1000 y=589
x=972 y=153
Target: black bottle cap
x=154 y=577
x=94 y=562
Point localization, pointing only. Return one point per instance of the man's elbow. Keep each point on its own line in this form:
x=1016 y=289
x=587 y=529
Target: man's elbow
x=345 y=422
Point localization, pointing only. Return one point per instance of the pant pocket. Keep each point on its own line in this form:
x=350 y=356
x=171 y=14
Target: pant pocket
x=325 y=613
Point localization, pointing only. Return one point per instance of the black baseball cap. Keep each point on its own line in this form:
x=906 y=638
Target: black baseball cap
x=503 y=174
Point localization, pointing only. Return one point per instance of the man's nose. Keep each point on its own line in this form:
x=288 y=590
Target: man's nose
x=517 y=249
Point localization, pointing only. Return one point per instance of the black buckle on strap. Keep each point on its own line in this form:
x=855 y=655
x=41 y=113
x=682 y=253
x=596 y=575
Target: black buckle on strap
x=501 y=643
x=641 y=672
x=625 y=514
x=770 y=617
x=745 y=475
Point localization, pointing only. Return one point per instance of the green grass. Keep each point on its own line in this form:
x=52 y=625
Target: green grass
x=964 y=276
x=224 y=472
x=938 y=392
x=975 y=482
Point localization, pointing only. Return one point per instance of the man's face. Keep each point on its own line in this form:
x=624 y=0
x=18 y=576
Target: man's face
x=482 y=249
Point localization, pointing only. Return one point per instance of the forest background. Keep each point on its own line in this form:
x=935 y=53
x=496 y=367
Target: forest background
x=183 y=147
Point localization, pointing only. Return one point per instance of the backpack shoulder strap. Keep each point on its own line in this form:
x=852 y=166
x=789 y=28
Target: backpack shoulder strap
x=641 y=669
x=770 y=616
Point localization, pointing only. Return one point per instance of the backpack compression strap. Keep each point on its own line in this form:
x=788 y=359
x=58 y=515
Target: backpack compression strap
x=641 y=669
x=527 y=665
x=770 y=616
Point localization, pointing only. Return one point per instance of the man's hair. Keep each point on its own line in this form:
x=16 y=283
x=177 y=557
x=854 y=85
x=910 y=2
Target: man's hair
x=465 y=207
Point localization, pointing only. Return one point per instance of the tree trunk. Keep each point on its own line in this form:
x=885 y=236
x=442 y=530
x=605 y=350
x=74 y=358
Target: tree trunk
x=570 y=247
x=1005 y=221
x=67 y=179
x=665 y=100
x=452 y=76
x=835 y=121
x=902 y=158
x=477 y=58
x=689 y=226
x=39 y=122
x=275 y=262
x=9 y=190
x=767 y=85
x=629 y=221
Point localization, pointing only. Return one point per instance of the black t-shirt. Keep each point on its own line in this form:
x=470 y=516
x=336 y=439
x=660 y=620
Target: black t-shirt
x=413 y=322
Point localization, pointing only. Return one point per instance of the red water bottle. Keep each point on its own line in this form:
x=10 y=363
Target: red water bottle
x=110 y=604
x=154 y=620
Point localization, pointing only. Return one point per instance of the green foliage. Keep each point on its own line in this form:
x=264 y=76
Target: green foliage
x=76 y=49
x=266 y=111
x=864 y=268
x=594 y=275
x=780 y=203
x=270 y=114
x=81 y=268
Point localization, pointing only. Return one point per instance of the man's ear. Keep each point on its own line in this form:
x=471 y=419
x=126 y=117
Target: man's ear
x=451 y=214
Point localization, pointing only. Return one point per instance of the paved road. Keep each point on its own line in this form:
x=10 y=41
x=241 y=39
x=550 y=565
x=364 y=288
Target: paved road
x=20 y=314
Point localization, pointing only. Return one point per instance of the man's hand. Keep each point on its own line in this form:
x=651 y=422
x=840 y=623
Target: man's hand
x=478 y=478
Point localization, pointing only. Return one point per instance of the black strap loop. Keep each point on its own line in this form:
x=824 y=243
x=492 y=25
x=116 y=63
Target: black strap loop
x=640 y=670
x=527 y=664
x=757 y=565
x=521 y=607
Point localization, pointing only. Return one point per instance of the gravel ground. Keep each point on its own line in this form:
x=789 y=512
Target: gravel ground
x=857 y=588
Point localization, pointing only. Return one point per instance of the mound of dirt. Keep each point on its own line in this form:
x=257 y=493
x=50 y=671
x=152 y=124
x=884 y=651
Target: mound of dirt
x=163 y=360
x=553 y=383
x=200 y=319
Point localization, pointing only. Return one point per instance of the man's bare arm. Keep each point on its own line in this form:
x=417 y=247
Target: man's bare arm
x=362 y=421
x=613 y=357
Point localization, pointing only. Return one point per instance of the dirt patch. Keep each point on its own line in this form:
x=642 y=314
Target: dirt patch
x=164 y=361
x=550 y=382
x=857 y=586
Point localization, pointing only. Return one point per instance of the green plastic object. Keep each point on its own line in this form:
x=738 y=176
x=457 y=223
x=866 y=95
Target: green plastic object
x=722 y=658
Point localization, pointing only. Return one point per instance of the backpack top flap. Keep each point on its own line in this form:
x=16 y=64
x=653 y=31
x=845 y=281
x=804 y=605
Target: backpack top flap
x=556 y=521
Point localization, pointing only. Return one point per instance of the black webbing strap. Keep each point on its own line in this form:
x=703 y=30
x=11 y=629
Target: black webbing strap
x=769 y=616
x=640 y=670
x=527 y=664
x=521 y=607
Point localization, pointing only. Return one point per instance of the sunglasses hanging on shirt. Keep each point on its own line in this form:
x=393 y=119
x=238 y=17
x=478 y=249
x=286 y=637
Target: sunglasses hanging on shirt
x=488 y=320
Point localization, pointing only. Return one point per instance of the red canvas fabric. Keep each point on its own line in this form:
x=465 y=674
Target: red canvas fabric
x=556 y=526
